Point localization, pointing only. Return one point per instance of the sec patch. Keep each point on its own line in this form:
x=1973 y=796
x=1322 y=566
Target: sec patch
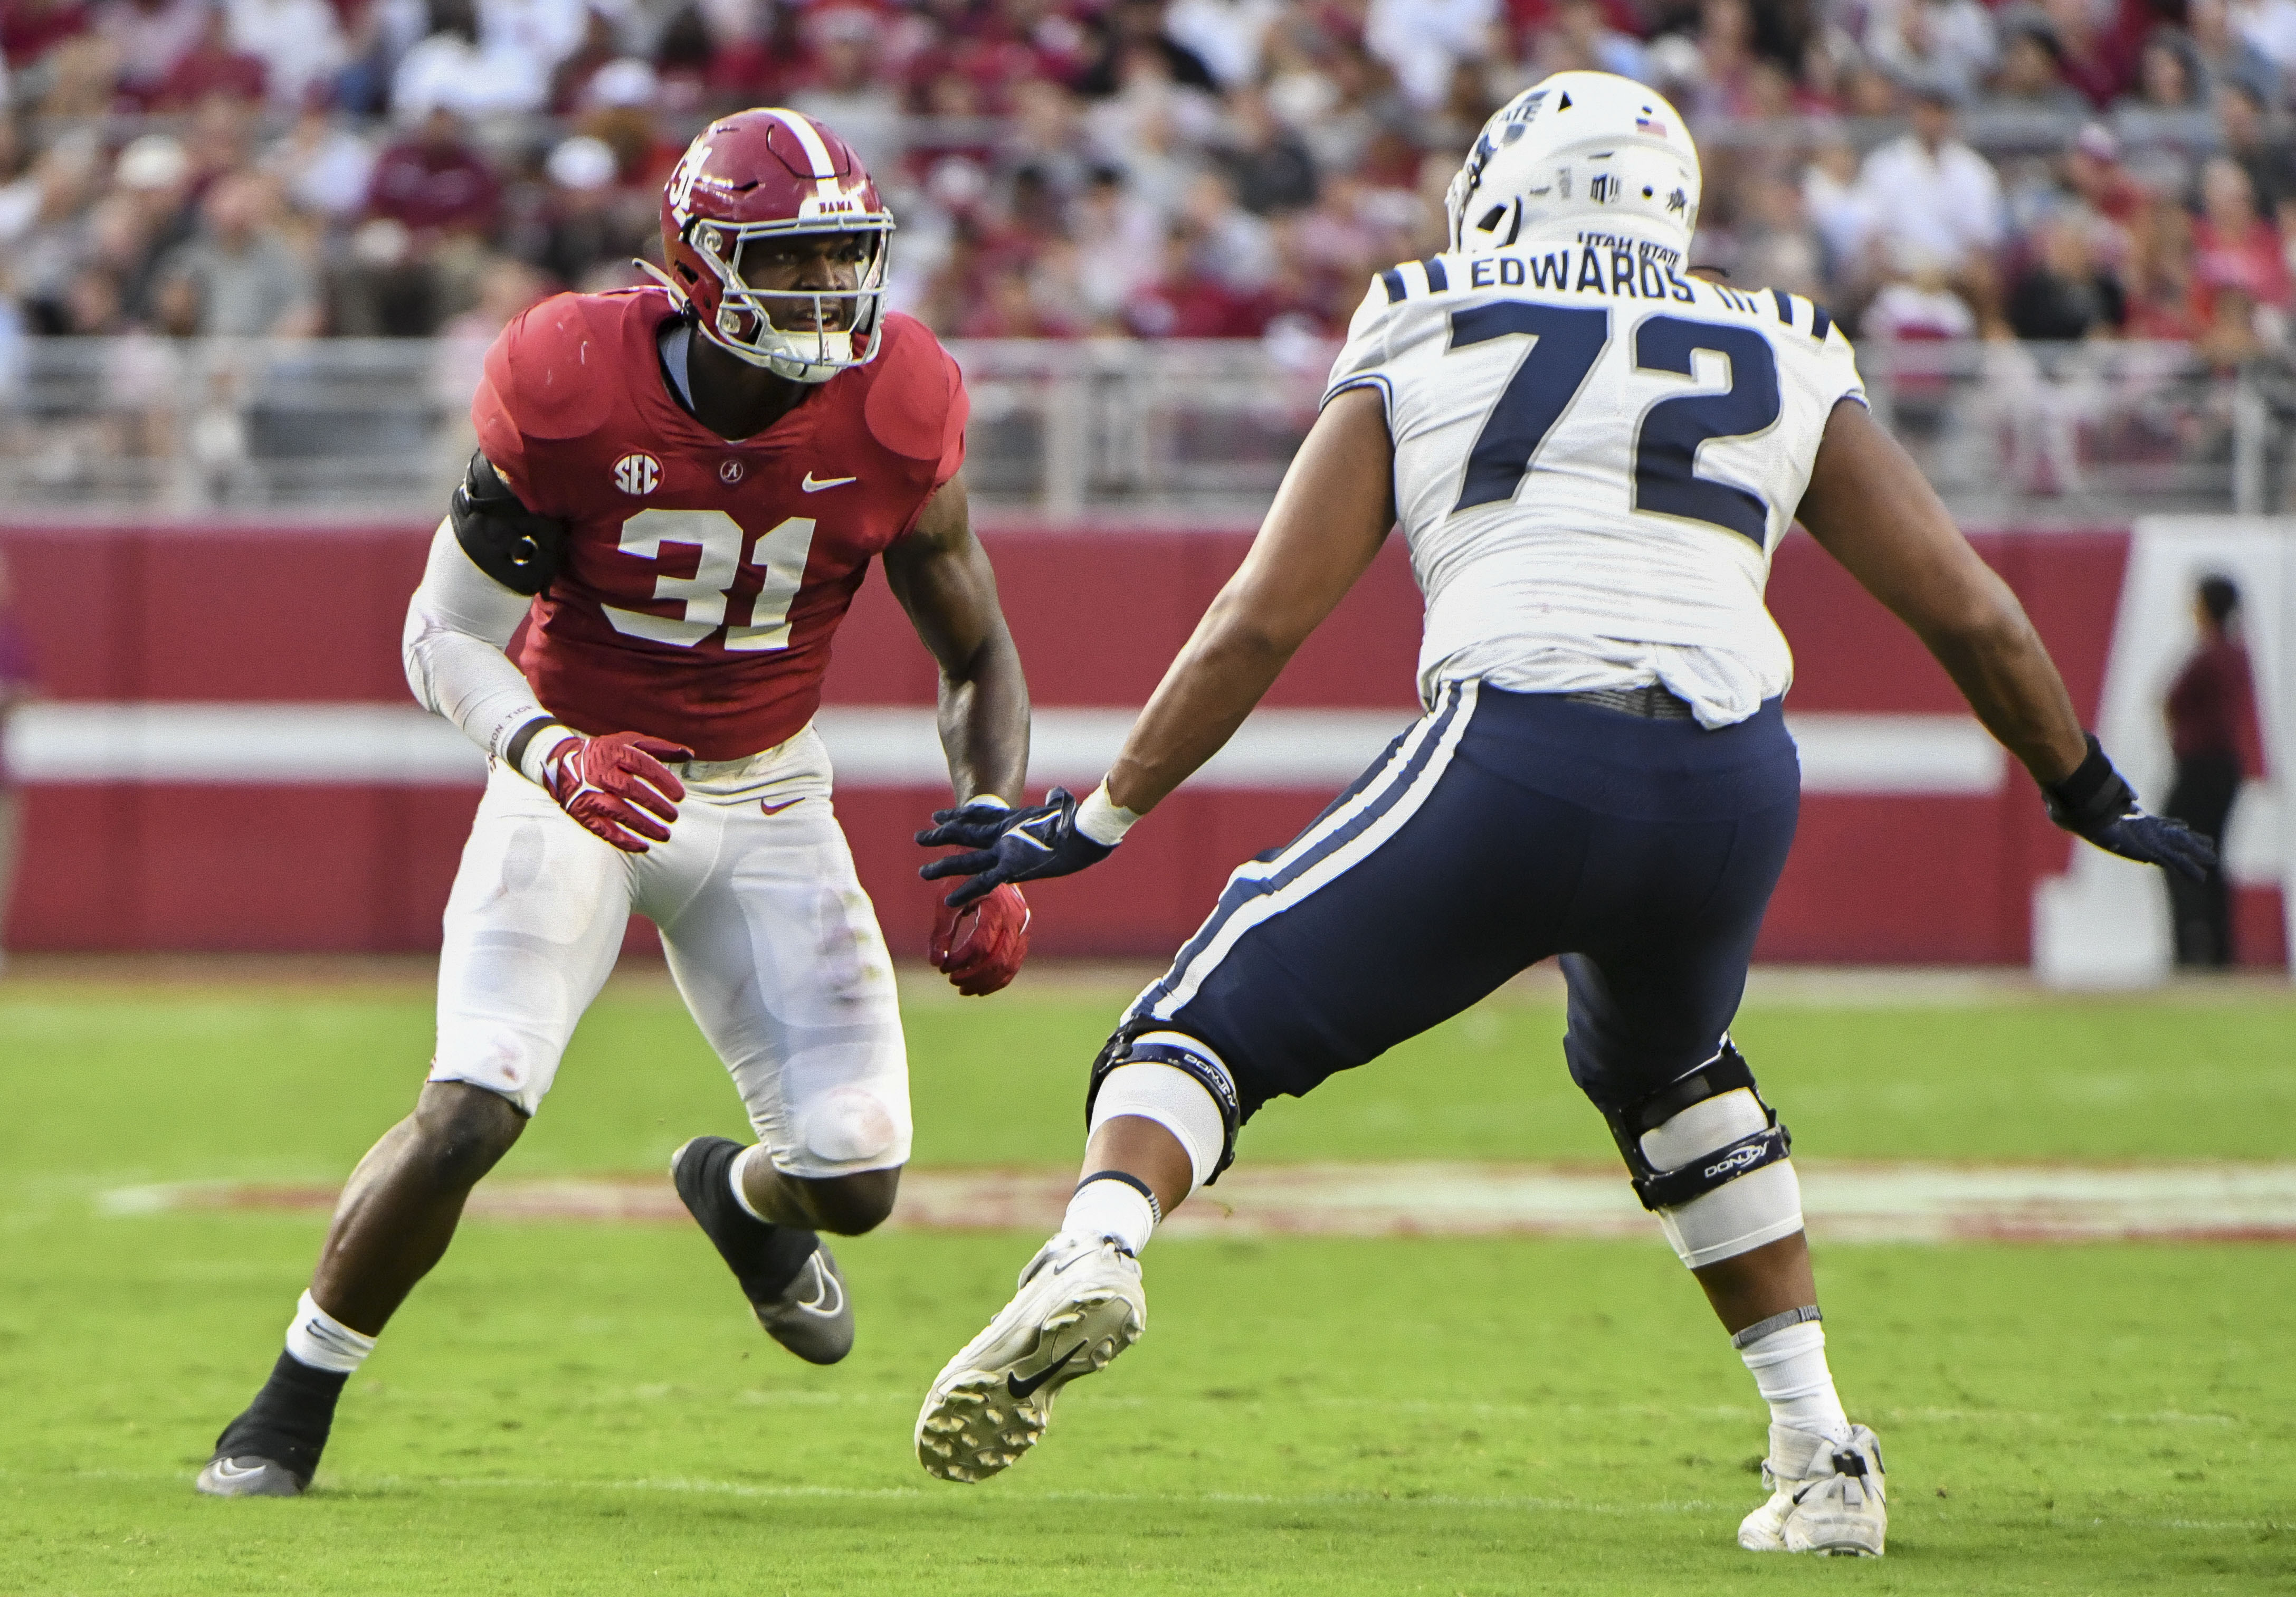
x=639 y=473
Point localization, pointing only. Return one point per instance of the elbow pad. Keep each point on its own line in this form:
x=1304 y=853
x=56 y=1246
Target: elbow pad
x=508 y=542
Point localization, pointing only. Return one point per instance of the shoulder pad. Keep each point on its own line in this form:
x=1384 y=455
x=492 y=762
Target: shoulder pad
x=552 y=368
x=916 y=405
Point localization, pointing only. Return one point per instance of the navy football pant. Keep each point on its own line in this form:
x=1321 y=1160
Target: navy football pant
x=1498 y=830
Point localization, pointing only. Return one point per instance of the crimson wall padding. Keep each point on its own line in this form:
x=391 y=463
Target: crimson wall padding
x=208 y=615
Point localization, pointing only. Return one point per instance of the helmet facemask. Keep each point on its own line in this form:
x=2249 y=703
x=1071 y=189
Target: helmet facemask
x=818 y=332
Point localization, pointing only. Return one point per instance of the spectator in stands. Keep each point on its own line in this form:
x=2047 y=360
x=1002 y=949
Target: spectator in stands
x=449 y=70
x=2030 y=79
x=299 y=42
x=2269 y=25
x=240 y=277
x=582 y=230
x=1579 y=38
x=2224 y=57
x=1777 y=247
x=1267 y=162
x=153 y=179
x=2235 y=247
x=324 y=169
x=2162 y=295
x=18 y=685
x=2211 y=714
x=1949 y=42
x=1227 y=36
x=848 y=91
x=147 y=38
x=1119 y=243
x=2088 y=57
x=2093 y=171
x=2064 y=295
x=2267 y=160
x=1129 y=39
x=1422 y=41
x=1918 y=303
x=536 y=33
x=50 y=239
x=214 y=66
x=1934 y=200
x=433 y=184
x=30 y=28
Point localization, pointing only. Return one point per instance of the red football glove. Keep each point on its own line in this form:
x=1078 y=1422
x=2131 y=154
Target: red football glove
x=609 y=784
x=981 y=946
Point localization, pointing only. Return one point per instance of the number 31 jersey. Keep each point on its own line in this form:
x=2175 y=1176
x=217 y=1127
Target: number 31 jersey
x=1595 y=455
x=704 y=578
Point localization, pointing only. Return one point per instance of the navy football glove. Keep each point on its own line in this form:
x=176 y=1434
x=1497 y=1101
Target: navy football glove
x=1008 y=845
x=2095 y=803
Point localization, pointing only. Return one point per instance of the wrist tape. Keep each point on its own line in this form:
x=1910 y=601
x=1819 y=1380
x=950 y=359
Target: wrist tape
x=1103 y=820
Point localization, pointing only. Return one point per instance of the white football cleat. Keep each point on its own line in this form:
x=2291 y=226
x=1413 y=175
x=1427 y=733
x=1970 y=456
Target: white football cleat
x=1825 y=1497
x=1081 y=1304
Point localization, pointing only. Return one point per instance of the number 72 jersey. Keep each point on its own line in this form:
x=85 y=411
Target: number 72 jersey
x=1595 y=455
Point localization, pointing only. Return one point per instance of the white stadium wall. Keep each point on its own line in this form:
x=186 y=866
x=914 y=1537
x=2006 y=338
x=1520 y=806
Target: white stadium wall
x=2104 y=922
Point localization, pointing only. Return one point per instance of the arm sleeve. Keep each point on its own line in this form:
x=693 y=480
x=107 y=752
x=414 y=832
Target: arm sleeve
x=457 y=626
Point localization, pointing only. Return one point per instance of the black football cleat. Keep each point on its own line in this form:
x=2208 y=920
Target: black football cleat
x=272 y=1449
x=788 y=1276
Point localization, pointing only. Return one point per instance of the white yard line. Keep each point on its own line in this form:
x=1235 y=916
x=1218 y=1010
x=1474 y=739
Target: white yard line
x=1844 y=1201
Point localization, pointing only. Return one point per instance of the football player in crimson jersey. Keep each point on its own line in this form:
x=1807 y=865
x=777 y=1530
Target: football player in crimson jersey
x=678 y=490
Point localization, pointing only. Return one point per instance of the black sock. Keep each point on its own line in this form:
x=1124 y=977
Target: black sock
x=764 y=1258
x=289 y=1420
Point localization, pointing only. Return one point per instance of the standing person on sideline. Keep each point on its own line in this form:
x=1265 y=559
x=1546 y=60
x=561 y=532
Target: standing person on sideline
x=2211 y=712
x=1593 y=455
x=679 y=488
x=18 y=685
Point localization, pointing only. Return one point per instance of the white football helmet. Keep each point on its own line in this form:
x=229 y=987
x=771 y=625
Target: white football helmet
x=1590 y=148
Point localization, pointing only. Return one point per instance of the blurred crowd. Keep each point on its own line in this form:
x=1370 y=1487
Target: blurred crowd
x=2042 y=169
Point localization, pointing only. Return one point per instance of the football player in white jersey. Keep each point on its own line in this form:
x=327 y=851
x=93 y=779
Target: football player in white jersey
x=1593 y=454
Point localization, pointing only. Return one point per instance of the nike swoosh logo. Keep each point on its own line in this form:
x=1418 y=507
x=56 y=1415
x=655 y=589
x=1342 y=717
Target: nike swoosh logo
x=828 y=1296
x=775 y=809
x=1022 y=1390
x=228 y=1469
x=812 y=485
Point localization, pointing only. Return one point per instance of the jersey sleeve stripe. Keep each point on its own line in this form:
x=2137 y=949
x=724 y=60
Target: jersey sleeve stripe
x=1820 y=322
x=1393 y=281
x=1368 y=380
x=1438 y=279
x=1784 y=303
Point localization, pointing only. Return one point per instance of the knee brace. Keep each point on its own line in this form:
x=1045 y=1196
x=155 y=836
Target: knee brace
x=1169 y=1104
x=1711 y=1159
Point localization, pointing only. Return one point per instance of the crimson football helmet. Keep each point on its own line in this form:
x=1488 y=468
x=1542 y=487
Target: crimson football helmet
x=760 y=176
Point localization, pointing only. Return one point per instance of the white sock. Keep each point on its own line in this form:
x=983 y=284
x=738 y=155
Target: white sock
x=317 y=1339
x=1789 y=1369
x=740 y=1194
x=1106 y=1206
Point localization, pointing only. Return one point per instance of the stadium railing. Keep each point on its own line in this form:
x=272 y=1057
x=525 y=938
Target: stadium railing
x=1190 y=431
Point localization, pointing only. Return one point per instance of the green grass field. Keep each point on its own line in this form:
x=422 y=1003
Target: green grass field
x=567 y=1408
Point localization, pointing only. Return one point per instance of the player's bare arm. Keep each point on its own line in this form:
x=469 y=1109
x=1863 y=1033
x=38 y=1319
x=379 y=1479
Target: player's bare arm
x=1328 y=520
x=1871 y=508
x=942 y=577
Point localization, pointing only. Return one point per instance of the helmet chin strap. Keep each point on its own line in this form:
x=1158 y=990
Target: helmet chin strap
x=787 y=367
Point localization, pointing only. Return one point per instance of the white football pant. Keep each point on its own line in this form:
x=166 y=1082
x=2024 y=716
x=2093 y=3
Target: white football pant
x=770 y=939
